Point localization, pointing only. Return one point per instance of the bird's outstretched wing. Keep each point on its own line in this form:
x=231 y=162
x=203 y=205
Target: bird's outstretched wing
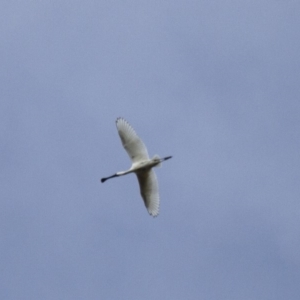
x=134 y=146
x=149 y=191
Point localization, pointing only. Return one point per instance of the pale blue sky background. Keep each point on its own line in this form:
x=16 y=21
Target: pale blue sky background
x=215 y=84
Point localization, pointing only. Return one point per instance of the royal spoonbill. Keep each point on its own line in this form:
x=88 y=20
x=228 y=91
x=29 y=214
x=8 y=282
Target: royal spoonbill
x=141 y=165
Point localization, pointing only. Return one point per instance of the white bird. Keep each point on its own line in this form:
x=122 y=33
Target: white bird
x=141 y=165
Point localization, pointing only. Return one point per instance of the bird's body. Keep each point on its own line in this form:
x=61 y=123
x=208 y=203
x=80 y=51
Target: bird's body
x=141 y=165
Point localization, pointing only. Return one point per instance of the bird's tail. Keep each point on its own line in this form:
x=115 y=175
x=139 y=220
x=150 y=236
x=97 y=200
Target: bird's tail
x=157 y=157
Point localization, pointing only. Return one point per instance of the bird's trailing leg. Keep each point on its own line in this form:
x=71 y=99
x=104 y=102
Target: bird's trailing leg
x=166 y=158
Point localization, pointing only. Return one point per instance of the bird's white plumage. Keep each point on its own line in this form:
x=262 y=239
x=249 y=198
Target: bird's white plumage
x=134 y=146
x=141 y=165
x=149 y=191
x=137 y=152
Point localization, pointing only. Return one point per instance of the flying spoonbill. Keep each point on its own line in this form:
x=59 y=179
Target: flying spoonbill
x=141 y=165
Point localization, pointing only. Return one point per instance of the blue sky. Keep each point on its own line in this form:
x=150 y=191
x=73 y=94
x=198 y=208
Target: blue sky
x=213 y=83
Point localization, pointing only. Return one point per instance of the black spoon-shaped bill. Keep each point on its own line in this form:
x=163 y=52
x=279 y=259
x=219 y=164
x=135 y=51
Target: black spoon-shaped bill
x=105 y=178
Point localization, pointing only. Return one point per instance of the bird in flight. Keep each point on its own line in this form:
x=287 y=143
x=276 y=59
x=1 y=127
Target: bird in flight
x=141 y=165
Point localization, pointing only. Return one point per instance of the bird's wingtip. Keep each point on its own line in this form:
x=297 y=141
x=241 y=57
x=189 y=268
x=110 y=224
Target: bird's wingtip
x=120 y=119
x=153 y=213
